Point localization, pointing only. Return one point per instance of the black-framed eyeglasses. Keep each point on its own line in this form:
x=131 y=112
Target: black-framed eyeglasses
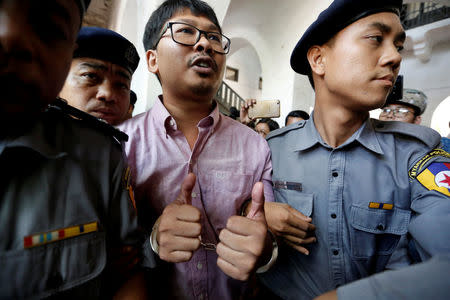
x=398 y=112
x=189 y=35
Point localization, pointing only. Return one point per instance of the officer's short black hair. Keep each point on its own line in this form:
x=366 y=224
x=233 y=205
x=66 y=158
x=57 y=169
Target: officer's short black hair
x=297 y=114
x=167 y=10
x=273 y=125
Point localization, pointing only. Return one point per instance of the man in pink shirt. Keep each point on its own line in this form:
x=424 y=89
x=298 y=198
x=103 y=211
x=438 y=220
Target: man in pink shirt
x=194 y=168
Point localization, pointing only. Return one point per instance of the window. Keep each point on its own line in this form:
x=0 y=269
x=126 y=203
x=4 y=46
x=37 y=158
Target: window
x=232 y=74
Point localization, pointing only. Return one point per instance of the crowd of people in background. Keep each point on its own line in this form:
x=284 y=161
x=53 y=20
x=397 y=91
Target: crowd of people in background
x=184 y=202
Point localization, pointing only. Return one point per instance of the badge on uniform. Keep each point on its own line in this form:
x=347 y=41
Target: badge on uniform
x=58 y=235
x=436 y=177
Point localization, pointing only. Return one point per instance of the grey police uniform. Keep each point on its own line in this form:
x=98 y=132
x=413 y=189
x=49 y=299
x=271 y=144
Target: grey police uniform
x=362 y=196
x=65 y=203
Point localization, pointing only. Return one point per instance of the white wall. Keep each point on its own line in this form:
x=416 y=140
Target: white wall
x=246 y=60
x=431 y=77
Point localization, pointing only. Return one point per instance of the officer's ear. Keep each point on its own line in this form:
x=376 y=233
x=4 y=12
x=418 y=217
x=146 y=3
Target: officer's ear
x=152 y=61
x=316 y=59
x=418 y=120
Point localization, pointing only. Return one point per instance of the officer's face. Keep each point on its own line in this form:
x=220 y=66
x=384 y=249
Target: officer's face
x=37 y=39
x=398 y=112
x=362 y=61
x=99 y=88
x=188 y=70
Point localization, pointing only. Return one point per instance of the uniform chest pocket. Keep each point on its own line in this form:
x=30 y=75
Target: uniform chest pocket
x=44 y=270
x=303 y=202
x=376 y=231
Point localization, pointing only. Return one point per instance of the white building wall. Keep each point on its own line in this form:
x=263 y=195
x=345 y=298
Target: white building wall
x=431 y=77
x=246 y=60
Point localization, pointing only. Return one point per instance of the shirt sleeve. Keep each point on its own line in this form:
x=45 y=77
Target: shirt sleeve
x=267 y=175
x=123 y=216
x=427 y=280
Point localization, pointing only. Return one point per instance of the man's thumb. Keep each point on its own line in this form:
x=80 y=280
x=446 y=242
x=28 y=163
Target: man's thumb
x=185 y=196
x=257 y=207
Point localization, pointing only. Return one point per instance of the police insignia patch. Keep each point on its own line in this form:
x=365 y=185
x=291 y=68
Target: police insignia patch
x=436 y=177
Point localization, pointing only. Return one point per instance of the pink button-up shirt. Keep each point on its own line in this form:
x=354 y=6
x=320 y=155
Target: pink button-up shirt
x=228 y=158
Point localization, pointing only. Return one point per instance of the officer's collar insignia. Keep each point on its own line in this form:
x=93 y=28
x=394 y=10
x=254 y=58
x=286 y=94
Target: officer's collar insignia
x=436 y=177
x=413 y=173
x=58 y=235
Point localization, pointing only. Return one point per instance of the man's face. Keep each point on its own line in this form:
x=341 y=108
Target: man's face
x=263 y=129
x=398 y=112
x=362 y=61
x=99 y=88
x=37 y=40
x=188 y=70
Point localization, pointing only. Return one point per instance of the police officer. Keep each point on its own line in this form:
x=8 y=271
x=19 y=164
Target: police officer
x=408 y=109
x=99 y=79
x=66 y=209
x=363 y=182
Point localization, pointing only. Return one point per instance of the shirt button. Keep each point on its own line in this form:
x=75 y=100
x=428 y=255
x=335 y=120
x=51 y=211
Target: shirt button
x=333 y=216
x=335 y=174
x=193 y=195
x=335 y=252
x=380 y=227
x=199 y=266
x=171 y=123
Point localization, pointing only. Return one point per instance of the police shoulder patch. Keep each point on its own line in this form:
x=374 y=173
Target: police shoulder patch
x=436 y=177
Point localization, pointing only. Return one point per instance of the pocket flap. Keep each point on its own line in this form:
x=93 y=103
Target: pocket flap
x=43 y=270
x=380 y=221
x=303 y=202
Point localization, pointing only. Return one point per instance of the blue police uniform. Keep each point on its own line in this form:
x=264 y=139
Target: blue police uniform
x=362 y=196
x=387 y=180
x=65 y=207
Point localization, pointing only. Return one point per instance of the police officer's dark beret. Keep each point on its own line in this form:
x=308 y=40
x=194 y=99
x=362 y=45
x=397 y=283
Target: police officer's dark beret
x=83 y=5
x=107 y=45
x=336 y=17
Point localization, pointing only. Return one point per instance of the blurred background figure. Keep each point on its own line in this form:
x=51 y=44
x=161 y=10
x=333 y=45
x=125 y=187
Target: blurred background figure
x=133 y=99
x=266 y=125
x=296 y=116
x=234 y=113
x=408 y=108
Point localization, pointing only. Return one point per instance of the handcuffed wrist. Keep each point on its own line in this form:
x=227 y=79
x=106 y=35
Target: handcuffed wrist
x=153 y=241
x=274 y=256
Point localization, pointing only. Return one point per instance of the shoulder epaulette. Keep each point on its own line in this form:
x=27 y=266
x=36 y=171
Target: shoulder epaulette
x=427 y=135
x=286 y=129
x=61 y=105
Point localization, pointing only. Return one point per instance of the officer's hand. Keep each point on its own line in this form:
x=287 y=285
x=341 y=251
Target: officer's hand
x=179 y=228
x=291 y=225
x=243 y=240
x=243 y=114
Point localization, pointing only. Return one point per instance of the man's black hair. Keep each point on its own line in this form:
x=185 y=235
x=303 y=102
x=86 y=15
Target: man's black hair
x=271 y=123
x=167 y=10
x=297 y=114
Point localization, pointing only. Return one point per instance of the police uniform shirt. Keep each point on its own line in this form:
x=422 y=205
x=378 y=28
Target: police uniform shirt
x=362 y=196
x=64 y=205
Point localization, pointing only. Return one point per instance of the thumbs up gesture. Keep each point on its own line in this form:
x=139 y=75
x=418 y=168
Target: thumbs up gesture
x=243 y=240
x=179 y=226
